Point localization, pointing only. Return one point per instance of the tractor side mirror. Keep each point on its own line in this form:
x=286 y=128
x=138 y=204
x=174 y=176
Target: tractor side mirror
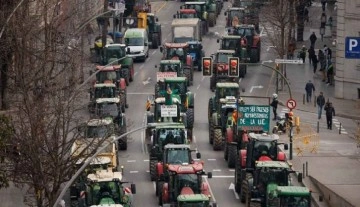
x=157 y=19
x=209 y=174
x=299 y=177
x=198 y=155
x=217 y=40
x=155 y=66
x=161 y=49
x=133 y=188
x=286 y=146
x=225 y=13
x=128 y=50
x=145 y=44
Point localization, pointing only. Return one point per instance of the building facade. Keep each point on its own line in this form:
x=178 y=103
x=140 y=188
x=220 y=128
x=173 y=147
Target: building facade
x=347 y=77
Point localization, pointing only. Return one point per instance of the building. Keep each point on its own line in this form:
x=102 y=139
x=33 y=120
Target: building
x=347 y=78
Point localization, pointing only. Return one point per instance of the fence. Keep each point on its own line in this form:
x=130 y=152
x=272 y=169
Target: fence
x=305 y=139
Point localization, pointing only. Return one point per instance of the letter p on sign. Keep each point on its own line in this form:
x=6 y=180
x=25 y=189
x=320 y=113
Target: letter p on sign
x=352 y=47
x=352 y=43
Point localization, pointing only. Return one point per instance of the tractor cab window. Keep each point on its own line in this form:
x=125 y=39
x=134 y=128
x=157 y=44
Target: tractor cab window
x=266 y=149
x=295 y=201
x=103 y=76
x=188 y=15
x=230 y=44
x=170 y=68
x=175 y=136
x=223 y=92
x=105 y=193
x=96 y=131
x=113 y=53
x=104 y=92
x=223 y=57
x=108 y=110
x=188 y=180
x=236 y=13
x=244 y=32
x=136 y=41
x=178 y=156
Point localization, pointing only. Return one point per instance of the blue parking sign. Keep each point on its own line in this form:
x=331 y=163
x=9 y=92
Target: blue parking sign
x=352 y=47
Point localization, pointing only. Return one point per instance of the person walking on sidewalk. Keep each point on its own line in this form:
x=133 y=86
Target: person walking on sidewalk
x=306 y=15
x=274 y=105
x=330 y=72
x=323 y=3
x=330 y=112
x=313 y=39
x=311 y=52
x=315 y=63
x=309 y=88
x=302 y=53
x=329 y=53
x=322 y=60
x=320 y=101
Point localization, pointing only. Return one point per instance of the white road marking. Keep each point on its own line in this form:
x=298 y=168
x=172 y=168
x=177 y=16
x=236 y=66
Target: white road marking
x=232 y=188
x=146 y=160
x=211 y=159
x=143 y=148
x=134 y=172
x=135 y=73
x=217 y=170
x=147 y=171
x=197 y=88
x=194 y=139
x=232 y=170
x=202 y=78
x=169 y=34
x=154 y=184
x=131 y=161
x=154 y=52
x=164 y=40
x=240 y=80
x=211 y=192
x=141 y=66
x=147 y=59
x=194 y=95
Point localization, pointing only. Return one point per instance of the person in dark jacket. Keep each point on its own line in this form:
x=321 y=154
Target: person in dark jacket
x=313 y=39
x=274 y=105
x=320 y=101
x=311 y=52
x=309 y=88
x=314 y=62
x=330 y=72
x=330 y=112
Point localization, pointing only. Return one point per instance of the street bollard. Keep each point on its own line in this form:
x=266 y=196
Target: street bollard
x=314 y=101
x=340 y=129
x=304 y=99
x=307 y=169
x=317 y=127
x=303 y=174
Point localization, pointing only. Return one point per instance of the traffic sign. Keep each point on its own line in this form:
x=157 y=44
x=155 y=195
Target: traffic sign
x=291 y=104
x=285 y=61
x=352 y=47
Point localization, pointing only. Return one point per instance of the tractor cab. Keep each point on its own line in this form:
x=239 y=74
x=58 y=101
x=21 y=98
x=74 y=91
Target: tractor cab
x=224 y=90
x=98 y=128
x=104 y=90
x=243 y=30
x=176 y=154
x=175 y=83
x=108 y=74
x=171 y=66
x=175 y=51
x=151 y=21
x=222 y=56
x=164 y=135
x=186 y=13
x=199 y=7
x=235 y=16
x=110 y=108
x=114 y=52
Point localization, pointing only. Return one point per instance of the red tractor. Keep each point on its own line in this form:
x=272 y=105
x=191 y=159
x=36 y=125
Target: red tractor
x=183 y=179
x=186 y=13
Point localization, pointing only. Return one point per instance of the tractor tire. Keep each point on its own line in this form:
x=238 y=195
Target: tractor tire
x=150 y=118
x=158 y=186
x=217 y=145
x=245 y=191
x=155 y=43
x=160 y=201
x=232 y=155
x=157 y=90
x=152 y=169
x=253 y=55
x=210 y=108
x=254 y=204
x=238 y=176
x=122 y=143
x=190 y=116
x=122 y=102
x=188 y=77
x=212 y=83
x=126 y=76
x=211 y=132
x=212 y=19
x=226 y=151
x=131 y=79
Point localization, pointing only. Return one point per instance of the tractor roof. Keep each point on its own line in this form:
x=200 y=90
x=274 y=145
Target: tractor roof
x=187 y=169
x=226 y=51
x=236 y=9
x=134 y=33
x=175 y=45
x=108 y=68
x=227 y=85
x=185 y=22
x=293 y=190
x=99 y=122
x=231 y=37
x=264 y=137
x=104 y=176
x=195 y=2
x=87 y=145
x=187 y=11
x=272 y=164
x=114 y=45
x=162 y=100
x=192 y=198
x=228 y=99
x=170 y=62
x=108 y=100
x=177 y=146
x=104 y=85
x=167 y=125
x=175 y=79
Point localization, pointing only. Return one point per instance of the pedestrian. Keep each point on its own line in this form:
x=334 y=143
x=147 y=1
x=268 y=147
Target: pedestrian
x=274 y=105
x=314 y=62
x=320 y=101
x=330 y=112
x=306 y=15
x=330 y=73
x=323 y=3
x=291 y=49
x=311 y=52
x=313 y=39
x=329 y=53
x=302 y=53
x=322 y=61
x=309 y=88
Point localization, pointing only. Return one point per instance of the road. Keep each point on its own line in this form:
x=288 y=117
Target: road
x=259 y=81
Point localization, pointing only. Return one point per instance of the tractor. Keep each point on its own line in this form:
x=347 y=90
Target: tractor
x=154 y=30
x=220 y=109
x=177 y=67
x=235 y=16
x=253 y=40
x=179 y=51
x=252 y=11
x=197 y=53
x=238 y=44
x=266 y=180
x=105 y=188
x=183 y=179
x=172 y=154
x=208 y=19
x=106 y=91
x=224 y=67
x=259 y=147
x=185 y=14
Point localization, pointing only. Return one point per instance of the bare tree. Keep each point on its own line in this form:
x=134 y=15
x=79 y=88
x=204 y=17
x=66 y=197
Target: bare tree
x=43 y=74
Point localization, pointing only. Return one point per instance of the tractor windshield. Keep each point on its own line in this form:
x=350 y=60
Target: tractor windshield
x=230 y=44
x=104 y=92
x=188 y=15
x=236 y=13
x=178 y=156
x=188 y=180
x=103 y=76
x=244 y=32
x=198 y=8
x=223 y=92
x=114 y=53
x=278 y=176
x=169 y=68
x=265 y=148
x=223 y=57
x=175 y=136
x=101 y=193
x=97 y=131
x=179 y=86
x=136 y=41
x=108 y=109
x=295 y=201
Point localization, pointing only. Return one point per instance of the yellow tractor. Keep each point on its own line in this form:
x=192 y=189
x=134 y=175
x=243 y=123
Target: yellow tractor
x=149 y=22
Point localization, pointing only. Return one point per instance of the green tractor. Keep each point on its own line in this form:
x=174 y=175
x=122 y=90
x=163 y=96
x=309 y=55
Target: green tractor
x=177 y=67
x=252 y=11
x=154 y=30
x=106 y=91
x=206 y=13
x=268 y=184
x=238 y=44
x=220 y=109
x=197 y=53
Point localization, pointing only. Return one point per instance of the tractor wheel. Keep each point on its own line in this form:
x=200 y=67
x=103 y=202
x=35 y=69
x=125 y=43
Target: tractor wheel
x=160 y=201
x=242 y=71
x=122 y=102
x=253 y=55
x=155 y=43
x=150 y=118
x=190 y=116
x=212 y=19
x=210 y=108
x=232 y=155
x=245 y=191
x=152 y=169
x=158 y=186
x=157 y=90
x=131 y=76
x=188 y=77
x=237 y=176
x=122 y=143
x=211 y=132
x=226 y=151
x=254 y=204
x=258 y=52
x=217 y=145
x=212 y=83
x=126 y=76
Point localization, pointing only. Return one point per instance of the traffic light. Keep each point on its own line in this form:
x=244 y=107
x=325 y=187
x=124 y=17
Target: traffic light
x=233 y=66
x=291 y=119
x=207 y=66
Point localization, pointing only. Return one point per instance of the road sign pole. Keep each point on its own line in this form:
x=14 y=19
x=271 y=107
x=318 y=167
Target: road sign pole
x=291 y=143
